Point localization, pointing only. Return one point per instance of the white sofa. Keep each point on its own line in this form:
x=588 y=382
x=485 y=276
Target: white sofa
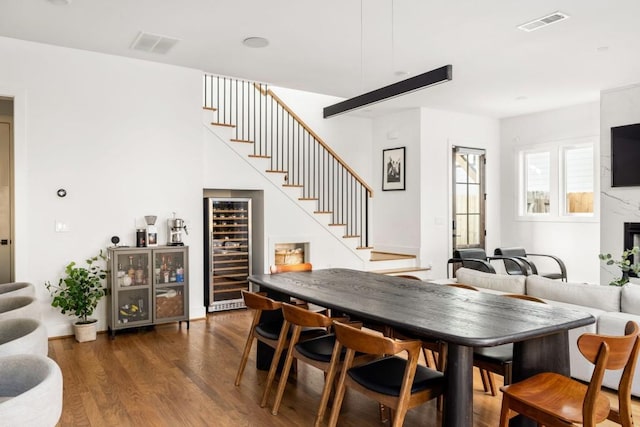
x=612 y=307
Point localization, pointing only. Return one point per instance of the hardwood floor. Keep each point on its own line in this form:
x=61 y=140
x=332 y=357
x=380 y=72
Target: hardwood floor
x=168 y=376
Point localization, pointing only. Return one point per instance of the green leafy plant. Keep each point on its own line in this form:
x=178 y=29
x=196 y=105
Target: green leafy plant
x=624 y=264
x=80 y=290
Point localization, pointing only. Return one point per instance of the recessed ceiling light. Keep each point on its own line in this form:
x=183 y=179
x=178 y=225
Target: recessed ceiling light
x=255 y=42
x=60 y=2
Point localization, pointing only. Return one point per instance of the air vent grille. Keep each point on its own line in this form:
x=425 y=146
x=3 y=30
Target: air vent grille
x=153 y=43
x=544 y=21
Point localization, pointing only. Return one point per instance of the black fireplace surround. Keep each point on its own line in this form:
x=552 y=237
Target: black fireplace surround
x=631 y=237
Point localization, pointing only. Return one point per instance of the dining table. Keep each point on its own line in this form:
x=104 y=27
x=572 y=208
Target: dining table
x=462 y=318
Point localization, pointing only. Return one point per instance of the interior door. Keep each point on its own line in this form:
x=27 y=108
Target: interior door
x=6 y=273
x=468 y=198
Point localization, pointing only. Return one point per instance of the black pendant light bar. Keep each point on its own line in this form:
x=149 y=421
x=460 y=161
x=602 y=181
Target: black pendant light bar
x=430 y=78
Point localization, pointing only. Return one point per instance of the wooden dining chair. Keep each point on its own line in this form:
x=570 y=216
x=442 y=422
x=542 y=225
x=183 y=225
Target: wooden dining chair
x=284 y=268
x=395 y=382
x=315 y=351
x=462 y=286
x=270 y=332
x=552 y=399
x=305 y=266
x=499 y=359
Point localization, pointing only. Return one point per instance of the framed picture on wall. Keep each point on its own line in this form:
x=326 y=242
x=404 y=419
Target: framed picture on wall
x=393 y=169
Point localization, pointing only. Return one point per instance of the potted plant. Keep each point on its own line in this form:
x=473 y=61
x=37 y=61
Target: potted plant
x=78 y=294
x=624 y=264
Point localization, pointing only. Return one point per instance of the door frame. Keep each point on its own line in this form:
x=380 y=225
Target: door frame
x=481 y=152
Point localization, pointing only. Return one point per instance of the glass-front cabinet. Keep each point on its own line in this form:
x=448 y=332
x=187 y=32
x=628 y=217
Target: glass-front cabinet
x=147 y=286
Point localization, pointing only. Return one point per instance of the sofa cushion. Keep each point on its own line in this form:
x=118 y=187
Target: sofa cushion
x=496 y=282
x=605 y=298
x=630 y=299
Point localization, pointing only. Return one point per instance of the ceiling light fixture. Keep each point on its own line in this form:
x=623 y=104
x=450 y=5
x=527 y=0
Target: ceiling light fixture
x=412 y=84
x=255 y=42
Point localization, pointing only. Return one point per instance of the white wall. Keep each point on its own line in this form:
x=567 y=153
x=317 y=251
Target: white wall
x=440 y=131
x=576 y=242
x=125 y=139
x=395 y=215
x=618 y=107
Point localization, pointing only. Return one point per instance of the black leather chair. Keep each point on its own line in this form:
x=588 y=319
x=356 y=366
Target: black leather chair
x=522 y=255
x=477 y=259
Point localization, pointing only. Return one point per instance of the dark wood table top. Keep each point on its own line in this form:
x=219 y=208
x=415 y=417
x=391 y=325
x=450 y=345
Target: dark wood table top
x=458 y=316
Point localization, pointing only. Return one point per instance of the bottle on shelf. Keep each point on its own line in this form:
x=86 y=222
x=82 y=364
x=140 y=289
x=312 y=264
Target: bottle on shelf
x=179 y=273
x=139 y=273
x=121 y=273
x=131 y=272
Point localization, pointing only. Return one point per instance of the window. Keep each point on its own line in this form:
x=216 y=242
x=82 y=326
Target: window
x=557 y=180
x=537 y=182
x=578 y=180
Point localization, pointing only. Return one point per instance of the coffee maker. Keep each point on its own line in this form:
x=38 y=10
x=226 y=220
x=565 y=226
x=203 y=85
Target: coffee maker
x=175 y=226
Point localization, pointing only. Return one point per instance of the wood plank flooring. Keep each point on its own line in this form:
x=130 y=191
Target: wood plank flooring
x=168 y=376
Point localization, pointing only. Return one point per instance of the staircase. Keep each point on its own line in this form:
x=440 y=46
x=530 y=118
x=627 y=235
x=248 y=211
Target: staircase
x=262 y=129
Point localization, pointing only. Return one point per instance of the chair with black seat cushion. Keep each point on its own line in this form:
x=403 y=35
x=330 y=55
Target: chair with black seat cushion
x=269 y=332
x=286 y=268
x=522 y=255
x=552 y=399
x=498 y=359
x=395 y=382
x=315 y=351
x=477 y=259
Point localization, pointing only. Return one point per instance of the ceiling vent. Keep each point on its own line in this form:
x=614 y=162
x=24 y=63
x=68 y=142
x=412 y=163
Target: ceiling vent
x=153 y=43
x=544 y=21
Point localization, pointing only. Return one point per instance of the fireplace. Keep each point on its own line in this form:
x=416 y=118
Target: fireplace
x=631 y=239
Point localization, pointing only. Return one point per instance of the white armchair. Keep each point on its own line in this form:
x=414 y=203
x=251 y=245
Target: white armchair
x=23 y=336
x=19 y=307
x=17 y=289
x=30 y=391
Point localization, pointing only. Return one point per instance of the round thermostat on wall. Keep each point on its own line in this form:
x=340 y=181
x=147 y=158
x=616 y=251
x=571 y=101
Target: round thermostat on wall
x=61 y=192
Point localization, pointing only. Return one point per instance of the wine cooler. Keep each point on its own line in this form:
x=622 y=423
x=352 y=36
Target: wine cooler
x=228 y=252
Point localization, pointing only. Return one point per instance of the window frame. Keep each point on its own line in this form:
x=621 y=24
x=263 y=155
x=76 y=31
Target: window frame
x=557 y=192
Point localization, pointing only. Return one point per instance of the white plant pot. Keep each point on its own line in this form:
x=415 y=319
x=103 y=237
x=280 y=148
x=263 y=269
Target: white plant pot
x=85 y=331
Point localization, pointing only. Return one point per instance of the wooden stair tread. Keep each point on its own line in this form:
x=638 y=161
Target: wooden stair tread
x=259 y=156
x=308 y=198
x=364 y=247
x=222 y=124
x=275 y=171
x=244 y=141
x=337 y=225
x=210 y=108
x=323 y=212
x=293 y=185
x=350 y=236
x=401 y=270
x=388 y=256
